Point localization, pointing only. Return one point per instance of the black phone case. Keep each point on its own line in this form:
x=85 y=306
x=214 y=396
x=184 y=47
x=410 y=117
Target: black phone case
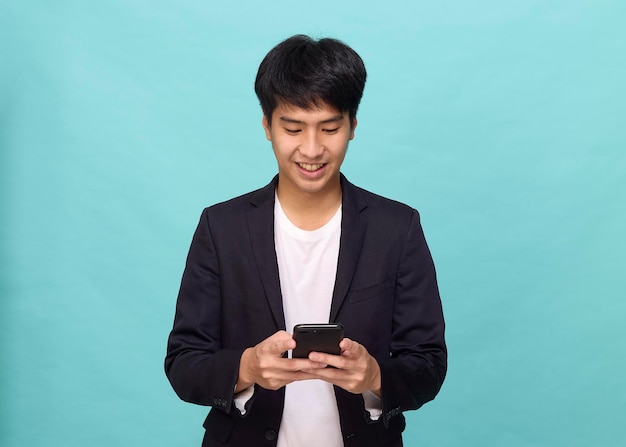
x=316 y=337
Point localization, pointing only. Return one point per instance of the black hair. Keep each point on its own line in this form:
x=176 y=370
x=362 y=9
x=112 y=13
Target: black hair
x=305 y=73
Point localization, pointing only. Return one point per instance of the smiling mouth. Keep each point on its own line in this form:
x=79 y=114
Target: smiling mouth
x=311 y=167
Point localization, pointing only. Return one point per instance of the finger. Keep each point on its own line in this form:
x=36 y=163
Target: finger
x=278 y=343
x=346 y=343
x=300 y=364
x=279 y=335
x=353 y=349
x=318 y=357
x=282 y=365
x=355 y=354
x=338 y=361
x=350 y=345
x=280 y=379
x=333 y=376
x=283 y=345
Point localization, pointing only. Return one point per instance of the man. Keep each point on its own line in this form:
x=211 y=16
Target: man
x=309 y=247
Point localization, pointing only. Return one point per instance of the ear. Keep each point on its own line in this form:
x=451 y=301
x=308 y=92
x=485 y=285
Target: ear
x=352 y=127
x=266 y=126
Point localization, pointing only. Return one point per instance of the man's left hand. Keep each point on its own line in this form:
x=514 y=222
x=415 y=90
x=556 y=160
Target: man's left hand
x=355 y=370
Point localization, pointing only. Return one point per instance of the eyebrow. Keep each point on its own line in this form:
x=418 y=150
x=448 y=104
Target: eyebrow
x=333 y=119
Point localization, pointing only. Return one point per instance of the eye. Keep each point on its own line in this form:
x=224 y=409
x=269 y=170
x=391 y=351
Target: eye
x=292 y=131
x=330 y=131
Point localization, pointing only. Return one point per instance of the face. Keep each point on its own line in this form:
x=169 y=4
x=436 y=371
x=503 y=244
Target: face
x=309 y=146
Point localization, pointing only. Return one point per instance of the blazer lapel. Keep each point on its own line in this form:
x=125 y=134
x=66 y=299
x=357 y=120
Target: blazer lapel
x=353 y=226
x=261 y=228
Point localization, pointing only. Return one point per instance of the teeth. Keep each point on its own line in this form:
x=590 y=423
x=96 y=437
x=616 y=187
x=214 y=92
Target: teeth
x=311 y=167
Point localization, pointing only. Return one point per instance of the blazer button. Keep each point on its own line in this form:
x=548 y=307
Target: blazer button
x=270 y=435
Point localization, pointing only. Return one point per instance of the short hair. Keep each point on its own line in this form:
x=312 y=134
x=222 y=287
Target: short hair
x=305 y=73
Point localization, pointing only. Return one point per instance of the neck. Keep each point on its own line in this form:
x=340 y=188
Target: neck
x=309 y=211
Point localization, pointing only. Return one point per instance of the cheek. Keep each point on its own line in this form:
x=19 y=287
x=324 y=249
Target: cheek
x=341 y=149
x=281 y=154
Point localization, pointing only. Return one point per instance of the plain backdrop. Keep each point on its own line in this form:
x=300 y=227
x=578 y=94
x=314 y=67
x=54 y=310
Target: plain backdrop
x=502 y=122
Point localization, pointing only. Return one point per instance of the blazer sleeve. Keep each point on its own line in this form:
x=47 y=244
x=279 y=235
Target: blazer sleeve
x=413 y=372
x=199 y=370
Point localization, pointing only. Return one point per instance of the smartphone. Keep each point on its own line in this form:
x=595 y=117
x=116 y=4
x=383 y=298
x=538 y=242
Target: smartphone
x=317 y=337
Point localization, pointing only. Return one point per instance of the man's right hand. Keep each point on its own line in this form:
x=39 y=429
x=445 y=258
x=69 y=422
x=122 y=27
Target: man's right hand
x=264 y=365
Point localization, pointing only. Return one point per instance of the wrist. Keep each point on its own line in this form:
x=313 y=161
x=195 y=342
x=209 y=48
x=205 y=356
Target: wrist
x=376 y=386
x=244 y=380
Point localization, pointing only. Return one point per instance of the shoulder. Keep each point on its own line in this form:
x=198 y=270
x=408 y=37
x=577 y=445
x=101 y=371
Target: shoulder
x=244 y=203
x=377 y=207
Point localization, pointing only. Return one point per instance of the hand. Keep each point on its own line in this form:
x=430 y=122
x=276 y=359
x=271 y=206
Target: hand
x=355 y=369
x=263 y=364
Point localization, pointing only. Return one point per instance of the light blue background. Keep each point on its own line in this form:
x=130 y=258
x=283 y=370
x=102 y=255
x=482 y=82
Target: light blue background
x=502 y=122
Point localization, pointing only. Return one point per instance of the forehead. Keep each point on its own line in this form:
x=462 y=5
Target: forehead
x=315 y=114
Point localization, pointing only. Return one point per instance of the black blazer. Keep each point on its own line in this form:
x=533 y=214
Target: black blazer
x=385 y=296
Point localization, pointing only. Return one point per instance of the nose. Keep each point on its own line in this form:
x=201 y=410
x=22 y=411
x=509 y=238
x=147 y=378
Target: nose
x=311 y=146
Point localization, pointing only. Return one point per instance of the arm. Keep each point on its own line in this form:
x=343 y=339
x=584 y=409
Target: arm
x=410 y=372
x=414 y=371
x=199 y=370
x=199 y=366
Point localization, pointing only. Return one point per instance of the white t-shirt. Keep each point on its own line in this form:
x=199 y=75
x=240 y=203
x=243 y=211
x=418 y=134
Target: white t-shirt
x=307 y=266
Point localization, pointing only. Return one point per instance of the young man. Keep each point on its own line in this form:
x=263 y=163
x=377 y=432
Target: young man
x=309 y=247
